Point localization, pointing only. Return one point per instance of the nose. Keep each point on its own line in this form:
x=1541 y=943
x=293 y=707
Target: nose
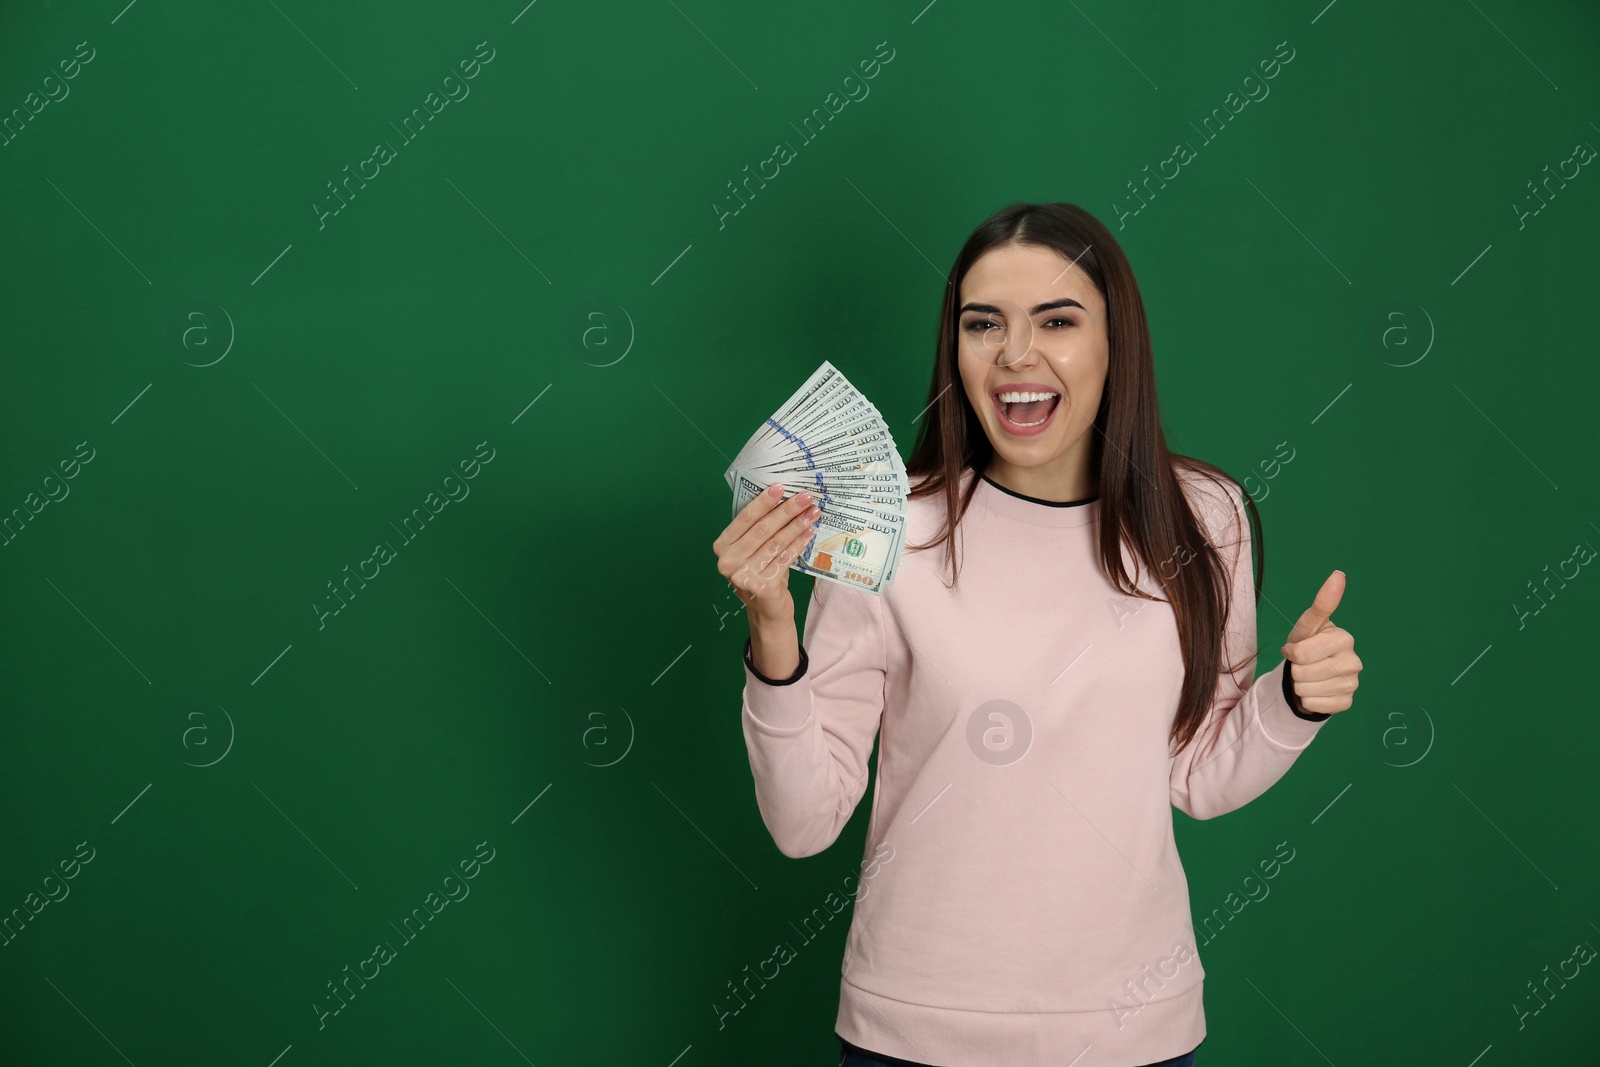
x=1017 y=348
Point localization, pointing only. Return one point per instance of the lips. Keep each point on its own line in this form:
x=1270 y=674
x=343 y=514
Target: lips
x=1028 y=408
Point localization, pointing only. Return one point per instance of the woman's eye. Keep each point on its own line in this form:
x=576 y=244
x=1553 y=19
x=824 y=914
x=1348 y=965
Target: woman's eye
x=978 y=325
x=1064 y=322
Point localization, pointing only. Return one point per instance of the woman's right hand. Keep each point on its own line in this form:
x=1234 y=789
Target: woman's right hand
x=756 y=548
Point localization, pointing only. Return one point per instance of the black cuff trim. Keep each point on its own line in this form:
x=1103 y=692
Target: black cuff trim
x=1294 y=704
x=799 y=672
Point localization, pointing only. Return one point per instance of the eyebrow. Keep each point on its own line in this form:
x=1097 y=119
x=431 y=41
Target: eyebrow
x=1064 y=302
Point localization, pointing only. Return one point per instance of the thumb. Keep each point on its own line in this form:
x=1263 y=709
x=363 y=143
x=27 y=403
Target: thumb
x=1314 y=618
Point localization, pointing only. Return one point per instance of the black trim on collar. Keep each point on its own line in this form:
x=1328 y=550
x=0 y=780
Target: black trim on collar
x=1036 y=500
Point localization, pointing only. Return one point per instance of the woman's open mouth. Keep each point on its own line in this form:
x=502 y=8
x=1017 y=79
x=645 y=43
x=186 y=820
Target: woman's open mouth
x=1025 y=411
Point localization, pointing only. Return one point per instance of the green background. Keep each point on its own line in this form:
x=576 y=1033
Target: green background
x=568 y=613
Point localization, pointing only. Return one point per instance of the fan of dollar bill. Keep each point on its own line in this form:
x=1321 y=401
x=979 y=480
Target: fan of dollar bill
x=830 y=440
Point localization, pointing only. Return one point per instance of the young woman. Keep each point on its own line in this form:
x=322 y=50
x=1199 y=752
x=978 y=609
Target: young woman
x=1076 y=662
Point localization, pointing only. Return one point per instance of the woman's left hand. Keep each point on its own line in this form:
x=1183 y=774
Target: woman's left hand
x=1323 y=664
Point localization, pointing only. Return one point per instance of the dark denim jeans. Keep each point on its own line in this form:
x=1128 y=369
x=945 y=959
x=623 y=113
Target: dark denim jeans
x=851 y=1056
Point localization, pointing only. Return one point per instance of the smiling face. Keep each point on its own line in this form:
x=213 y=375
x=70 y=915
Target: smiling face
x=1033 y=353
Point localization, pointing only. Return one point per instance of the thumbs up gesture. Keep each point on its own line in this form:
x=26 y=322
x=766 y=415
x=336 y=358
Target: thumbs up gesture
x=1322 y=657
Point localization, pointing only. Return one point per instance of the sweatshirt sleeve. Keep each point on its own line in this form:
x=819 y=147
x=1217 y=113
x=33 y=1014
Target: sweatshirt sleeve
x=1251 y=733
x=810 y=737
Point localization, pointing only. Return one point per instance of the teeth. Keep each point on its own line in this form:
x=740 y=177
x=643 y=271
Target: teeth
x=1022 y=398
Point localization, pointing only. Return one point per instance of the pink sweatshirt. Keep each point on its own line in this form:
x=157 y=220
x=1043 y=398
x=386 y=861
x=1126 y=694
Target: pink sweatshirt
x=1022 y=901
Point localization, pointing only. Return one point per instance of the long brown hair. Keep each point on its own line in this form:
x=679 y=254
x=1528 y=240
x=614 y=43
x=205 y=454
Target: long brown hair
x=1141 y=500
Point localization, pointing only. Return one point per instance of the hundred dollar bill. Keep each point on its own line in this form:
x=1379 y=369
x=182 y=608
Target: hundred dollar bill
x=854 y=548
x=769 y=436
x=829 y=439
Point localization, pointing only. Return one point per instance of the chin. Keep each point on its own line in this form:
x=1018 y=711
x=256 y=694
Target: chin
x=1037 y=450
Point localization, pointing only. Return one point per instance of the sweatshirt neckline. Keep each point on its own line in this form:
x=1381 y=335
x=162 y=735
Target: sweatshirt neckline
x=1012 y=504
